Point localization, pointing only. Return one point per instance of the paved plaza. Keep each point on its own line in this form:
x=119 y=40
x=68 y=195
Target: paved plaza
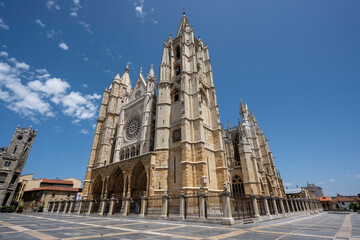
x=65 y=226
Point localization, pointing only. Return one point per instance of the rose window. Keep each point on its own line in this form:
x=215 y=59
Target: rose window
x=132 y=127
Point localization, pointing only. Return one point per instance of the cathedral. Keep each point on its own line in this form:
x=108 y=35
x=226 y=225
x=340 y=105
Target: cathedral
x=169 y=140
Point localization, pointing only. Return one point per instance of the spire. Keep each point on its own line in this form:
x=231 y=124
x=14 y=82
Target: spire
x=151 y=72
x=184 y=22
x=242 y=108
x=125 y=78
x=117 y=77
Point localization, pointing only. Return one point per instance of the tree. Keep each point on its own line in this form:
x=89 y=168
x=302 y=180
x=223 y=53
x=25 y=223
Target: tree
x=354 y=206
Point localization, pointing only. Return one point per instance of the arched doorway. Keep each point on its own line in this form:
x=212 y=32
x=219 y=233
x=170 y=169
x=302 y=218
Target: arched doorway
x=97 y=188
x=116 y=184
x=138 y=186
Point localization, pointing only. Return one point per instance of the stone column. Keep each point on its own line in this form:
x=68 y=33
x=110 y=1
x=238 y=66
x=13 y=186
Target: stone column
x=182 y=206
x=266 y=205
x=202 y=207
x=287 y=205
x=102 y=206
x=126 y=206
x=91 y=204
x=143 y=205
x=275 y=206
x=66 y=206
x=292 y=204
x=112 y=205
x=72 y=205
x=53 y=207
x=303 y=204
x=282 y=206
x=60 y=203
x=165 y=206
x=225 y=198
x=255 y=206
x=80 y=206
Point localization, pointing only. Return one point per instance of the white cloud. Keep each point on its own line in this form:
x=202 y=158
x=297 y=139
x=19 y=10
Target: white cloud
x=39 y=98
x=22 y=65
x=357 y=175
x=86 y=26
x=4 y=46
x=53 y=33
x=332 y=180
x=288 y=184
x=141 y=13
x=63 y=46
x=84 y=131
x=51 y=4
x=4 y=54
x=85 y=85
x=349 y=175
x=75 y=8
x=3 y=25
x=38 y=21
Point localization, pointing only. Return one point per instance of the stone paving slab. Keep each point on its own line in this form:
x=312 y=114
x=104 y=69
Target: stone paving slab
x=49 y=226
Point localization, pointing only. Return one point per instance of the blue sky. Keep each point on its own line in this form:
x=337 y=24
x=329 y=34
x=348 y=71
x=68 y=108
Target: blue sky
x=297 y=63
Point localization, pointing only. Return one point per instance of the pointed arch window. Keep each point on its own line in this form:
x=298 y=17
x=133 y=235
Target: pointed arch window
x=178 y=52
x=15 y=148
x=236 y=151
x=137 y=150
x=127 y=153
x=122 y=154
x=237 y=185
x=177 y=70
x=133 y=151
x=176 y=96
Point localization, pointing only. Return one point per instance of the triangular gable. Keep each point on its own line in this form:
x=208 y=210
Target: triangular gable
x=139 y=88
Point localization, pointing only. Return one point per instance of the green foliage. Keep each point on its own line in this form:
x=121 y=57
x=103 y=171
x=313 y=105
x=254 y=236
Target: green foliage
x=354 y=206
x=41 y=207
x=8 y=209
x=20 y=207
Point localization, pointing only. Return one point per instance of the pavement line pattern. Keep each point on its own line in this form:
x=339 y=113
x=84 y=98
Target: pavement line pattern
x=258 y=229
x=345 y=230
x=28 y=231
x=119 y=228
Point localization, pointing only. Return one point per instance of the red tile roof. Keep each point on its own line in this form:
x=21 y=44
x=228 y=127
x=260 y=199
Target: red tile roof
x=346 y=199
x=56 y=181
x=63 y=189
x=325 y=199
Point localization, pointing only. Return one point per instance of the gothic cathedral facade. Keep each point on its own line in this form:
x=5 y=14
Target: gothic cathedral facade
x=148 y=142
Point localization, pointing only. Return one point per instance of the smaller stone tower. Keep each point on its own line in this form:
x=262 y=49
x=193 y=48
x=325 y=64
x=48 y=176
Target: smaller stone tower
x=12 y=161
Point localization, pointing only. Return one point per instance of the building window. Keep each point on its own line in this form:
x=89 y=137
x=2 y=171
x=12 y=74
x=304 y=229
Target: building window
x=177 y=70
x=138 y=94
x=122 y=155
x=5 y=163
x=9 y=163
x=178 y=52
x=237 y=185
x=132 y=151
x=138 y=150
x=2 y=178
x=15 y=149
x=127 y=153
x=176 y=135
x=176 y=95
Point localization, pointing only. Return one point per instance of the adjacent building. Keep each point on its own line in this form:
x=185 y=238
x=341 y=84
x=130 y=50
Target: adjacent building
x=32 y=192
x=12 y=162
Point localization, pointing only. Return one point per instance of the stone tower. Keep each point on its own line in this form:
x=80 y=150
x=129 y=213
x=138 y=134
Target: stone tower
x=103 y=147
x=12 y=161
x=188 y=139
x=251 y=163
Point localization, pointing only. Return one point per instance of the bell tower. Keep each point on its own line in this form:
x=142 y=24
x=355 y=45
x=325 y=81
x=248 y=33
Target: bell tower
x=188 y=131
